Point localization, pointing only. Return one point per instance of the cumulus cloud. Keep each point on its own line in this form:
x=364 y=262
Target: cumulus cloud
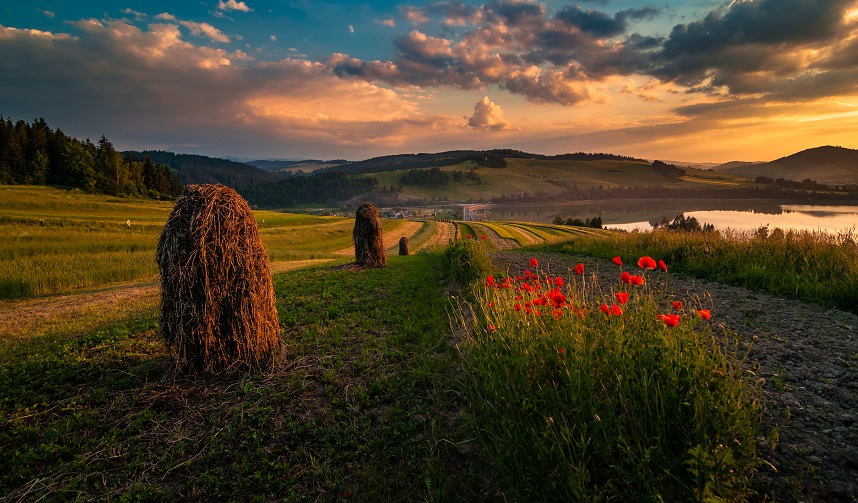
x=205 y=29
x=165 y=16
x=388 y=22
x=233 y=5
x=351 y=29
x=487 y=115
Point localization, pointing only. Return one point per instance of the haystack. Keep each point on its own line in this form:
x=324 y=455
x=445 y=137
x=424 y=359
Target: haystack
x=217 y=298
x=367 y=234
x=403 y=245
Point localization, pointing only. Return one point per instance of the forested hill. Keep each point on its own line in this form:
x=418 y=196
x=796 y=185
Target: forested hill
x=194 y=168
x=35 y=154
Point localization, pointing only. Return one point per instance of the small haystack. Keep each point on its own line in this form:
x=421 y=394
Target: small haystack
x=217 y=298
x=403 y=245
x=369 y=245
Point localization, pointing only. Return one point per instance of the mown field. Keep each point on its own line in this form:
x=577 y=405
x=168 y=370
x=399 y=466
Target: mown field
x=437 y=378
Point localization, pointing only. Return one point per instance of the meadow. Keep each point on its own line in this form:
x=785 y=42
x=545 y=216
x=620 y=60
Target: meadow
x=438 y=378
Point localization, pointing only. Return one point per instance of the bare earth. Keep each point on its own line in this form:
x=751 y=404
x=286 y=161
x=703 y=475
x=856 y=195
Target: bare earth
x=808 y=356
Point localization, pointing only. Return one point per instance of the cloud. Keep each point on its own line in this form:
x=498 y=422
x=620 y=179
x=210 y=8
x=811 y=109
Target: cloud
x=49 y=14
x=273 y=38
x=205 y=29
x=165 y=16
x=351 y=29
x=388 y=22
x=233 y=5
x=487 y=115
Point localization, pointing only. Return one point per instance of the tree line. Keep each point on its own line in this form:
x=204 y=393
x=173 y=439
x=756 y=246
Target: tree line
x=324 y=188
x=35 y=154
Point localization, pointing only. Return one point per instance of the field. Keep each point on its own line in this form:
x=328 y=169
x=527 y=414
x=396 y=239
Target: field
x=537 y=175
x=450 y=375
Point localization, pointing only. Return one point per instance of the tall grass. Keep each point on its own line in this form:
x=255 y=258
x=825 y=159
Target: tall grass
x=811 y=266
x=572 y=404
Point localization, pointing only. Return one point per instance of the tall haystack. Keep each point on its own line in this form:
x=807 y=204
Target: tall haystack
x=217 y=298
x=367 y=234
x=403 y=245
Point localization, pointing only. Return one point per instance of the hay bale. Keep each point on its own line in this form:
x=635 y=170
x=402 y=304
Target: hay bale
x=367 y=234
x=217 y=298
x=403 y=245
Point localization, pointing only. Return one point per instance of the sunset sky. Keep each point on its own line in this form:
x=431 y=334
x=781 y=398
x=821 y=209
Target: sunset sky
x=680 y=80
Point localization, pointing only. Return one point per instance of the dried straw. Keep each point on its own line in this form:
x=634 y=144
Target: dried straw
x=367 y=234
x=217 y=298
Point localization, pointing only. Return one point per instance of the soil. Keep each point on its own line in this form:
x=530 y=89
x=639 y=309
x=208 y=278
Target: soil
x=808 y=356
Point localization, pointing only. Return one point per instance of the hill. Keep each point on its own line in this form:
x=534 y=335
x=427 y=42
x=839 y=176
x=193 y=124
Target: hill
x=828 y=165
x=734 y=164
x=193 y=168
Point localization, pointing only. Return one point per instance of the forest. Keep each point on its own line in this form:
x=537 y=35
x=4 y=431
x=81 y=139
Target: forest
x=35 y=154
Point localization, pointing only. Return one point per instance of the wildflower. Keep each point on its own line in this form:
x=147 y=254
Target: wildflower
x=617 y=260
x=491 y=304
x=518 y=307
x=677 y=305
x=534 y=262
x=626 y=278
x=646 y=262
x=579 y=269
x=622 y=297
x=558 y=281
x=636 y=280
x=470 y=237
x=490 y=280
x=616 y=310
x=560 y=351
x=605 y=309
x=491 y=328
x=519 y=277
x=662 y=265
x=347 y=494
x=483 y=238
x=670 y=320
x=704 y=313
x=557 y=298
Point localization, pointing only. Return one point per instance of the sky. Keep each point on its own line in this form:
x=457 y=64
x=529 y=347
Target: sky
x=680 y=80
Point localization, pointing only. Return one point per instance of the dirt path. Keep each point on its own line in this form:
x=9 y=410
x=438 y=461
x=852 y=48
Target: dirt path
x=77 y=311
x=808 y=356
x=444 y=232
x=391 y=239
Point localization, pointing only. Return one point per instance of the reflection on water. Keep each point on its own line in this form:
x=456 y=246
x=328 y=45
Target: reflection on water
x=739 y=215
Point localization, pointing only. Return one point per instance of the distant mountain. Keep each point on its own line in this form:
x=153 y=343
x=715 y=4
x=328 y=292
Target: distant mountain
x=193 y=168
x=734 y=164
x=827 y=165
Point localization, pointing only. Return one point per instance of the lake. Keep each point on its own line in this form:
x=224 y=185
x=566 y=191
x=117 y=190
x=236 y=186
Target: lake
x=723 y=214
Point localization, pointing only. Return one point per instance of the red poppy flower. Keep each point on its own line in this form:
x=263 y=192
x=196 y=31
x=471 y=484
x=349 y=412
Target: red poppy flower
x=646 y=263
x=622 y=297
x=670 y=320
x=662 y=265
x=605 y=309
x=534 y=262
x=557 y=298
x=558 y=281
x=626 y=278
x=491 y=328
x=470 y=237
x=491 y=304
x=527 y=310
x=518 y=307
x=483 y=237
x=579 y=269
x=704 y=313
x=616 y=310
x=636 y=280
x=560 y=351
x=347 y=494
x=617 y=260
x=519 y=278
x=677 y=305
x=490 y=280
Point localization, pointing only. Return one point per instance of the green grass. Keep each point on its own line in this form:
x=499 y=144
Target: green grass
x=571 y=404
x=423 y=235
x=365 y=402
x=811 y=266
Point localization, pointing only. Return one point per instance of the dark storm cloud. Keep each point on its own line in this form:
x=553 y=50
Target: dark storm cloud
x=599 y=24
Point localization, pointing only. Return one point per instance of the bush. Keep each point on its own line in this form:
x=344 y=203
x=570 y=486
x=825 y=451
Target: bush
x=469 y=260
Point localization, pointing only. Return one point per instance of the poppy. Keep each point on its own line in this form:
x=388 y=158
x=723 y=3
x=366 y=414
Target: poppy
x=579 y=269
x=677 y=305
x=626 y=278
x=622 y=297
x=670 y=320
x=662 y=265
x=558 y=281
x=636 y=280
x=560 y=351
x=491 y=328
x=534 y=262
x=490 y=280
x=616 y=310
x=605 y=309
x=491 y=304
x=646 y=262
x=470 y=237
x=518 y=307
x=483 y=237
x=704 y=313
x=617 y=260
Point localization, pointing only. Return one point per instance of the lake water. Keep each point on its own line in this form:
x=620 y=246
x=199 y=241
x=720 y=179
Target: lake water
x=737 y=215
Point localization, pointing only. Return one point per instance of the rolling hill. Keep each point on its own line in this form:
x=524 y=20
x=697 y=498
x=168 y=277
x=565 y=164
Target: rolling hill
x=828 y=165
x=193 y=168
